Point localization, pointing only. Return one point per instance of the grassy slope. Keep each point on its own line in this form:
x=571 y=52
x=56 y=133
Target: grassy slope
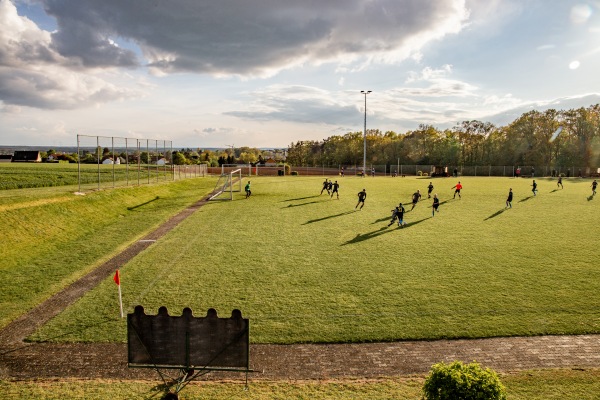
x=53 y=237
x=529 y=385
x=305 y=268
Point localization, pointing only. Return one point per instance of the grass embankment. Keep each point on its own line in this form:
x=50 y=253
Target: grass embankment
x=307 y=268
x=559 y=384
x=53 y=237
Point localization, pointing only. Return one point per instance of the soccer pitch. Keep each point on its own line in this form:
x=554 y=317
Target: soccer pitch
x=307 y=268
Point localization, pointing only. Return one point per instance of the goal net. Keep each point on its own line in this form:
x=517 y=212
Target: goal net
x=227 y=184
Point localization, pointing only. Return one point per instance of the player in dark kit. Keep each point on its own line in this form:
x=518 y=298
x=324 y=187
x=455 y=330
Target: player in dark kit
x=534 y=187
x=398 y=214
x=361 y=198
x=415 y=198
x=435 y=205
x=458 y=187
x=509 y=199
x=559 y=183
x=325 y=187
x=247 y=189
x=594 y=184
x=334 y=189
x=429 y=190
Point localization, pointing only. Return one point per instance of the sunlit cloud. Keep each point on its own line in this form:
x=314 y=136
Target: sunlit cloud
x=574 y=64
x=580 y=13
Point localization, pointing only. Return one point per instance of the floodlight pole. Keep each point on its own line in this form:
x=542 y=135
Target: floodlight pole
x=365 y=92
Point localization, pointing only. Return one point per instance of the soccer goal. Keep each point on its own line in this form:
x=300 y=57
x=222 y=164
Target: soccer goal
x=228 y=183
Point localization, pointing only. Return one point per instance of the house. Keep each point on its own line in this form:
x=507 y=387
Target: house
x=270 y=162
x=27 y=156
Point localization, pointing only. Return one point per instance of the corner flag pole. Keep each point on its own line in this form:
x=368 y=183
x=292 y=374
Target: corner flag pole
x=117 y=279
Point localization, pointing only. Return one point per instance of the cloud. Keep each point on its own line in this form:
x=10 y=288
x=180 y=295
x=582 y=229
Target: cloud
x=34 y=74
x=250 y=37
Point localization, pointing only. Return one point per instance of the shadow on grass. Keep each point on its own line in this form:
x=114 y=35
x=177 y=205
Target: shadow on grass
x=300 y=198
x=143 y=204
x=525 y=199
x=381 y=220
x=328 y=217
x=495 y=214
x=359 y=238
x=590 y=198
x=555 y=190
x=302 y=204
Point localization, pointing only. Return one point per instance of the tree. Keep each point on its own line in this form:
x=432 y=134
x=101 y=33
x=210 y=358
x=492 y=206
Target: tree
x=179 y=158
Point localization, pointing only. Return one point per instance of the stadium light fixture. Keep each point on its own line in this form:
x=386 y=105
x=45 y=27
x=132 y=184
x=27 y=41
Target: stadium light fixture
x=365 y=92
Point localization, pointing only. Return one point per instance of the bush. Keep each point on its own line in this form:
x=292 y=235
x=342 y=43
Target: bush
x=420 y=173
x=425 y=174
x=287 y=169
x=294 y=173
x=460 y=381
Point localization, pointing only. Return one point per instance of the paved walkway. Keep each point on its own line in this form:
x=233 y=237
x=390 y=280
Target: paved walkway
x=291 y=362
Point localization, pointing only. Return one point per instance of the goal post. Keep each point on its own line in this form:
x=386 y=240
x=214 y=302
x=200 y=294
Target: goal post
x=228 y=183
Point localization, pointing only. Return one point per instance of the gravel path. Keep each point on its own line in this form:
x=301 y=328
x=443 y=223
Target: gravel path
x=21 y=360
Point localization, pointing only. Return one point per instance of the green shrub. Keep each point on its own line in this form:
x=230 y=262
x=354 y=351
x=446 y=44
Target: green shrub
x=287 y=169
x=420 y=173
x=462 y=381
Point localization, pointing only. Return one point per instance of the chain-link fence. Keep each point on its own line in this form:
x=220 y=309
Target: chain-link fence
x=431 y=170
x=105 y=162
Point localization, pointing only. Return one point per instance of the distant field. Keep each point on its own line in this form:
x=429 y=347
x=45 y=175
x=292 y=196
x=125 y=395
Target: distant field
x=53 y=237
x=34 y=175
x=306 y=268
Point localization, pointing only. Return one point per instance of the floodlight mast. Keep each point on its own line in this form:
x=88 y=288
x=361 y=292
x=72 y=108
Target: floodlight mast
x=365 y=92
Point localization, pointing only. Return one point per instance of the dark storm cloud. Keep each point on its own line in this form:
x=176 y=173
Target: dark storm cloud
x=242 y=37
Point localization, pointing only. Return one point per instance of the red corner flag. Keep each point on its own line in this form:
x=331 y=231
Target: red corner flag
x=117 y=278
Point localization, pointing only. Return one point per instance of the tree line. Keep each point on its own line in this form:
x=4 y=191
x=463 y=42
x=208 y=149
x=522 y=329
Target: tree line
x=550 y=138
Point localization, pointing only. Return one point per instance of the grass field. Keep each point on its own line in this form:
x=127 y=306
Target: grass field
x=53 y=237
x=559 y=384
x=37 y=175
x=306 y=268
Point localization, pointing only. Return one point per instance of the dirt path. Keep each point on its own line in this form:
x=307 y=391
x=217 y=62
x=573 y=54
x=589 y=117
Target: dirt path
x=22 y=360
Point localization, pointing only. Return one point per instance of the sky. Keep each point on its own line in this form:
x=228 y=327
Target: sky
x=268 y=73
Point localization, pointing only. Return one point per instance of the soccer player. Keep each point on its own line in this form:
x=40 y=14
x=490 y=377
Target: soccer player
x=594 y=184
x=458 y=187
x=534 y=187
x=373 y=172
x=509 y=199
x=395 y=212
x=334 y=189
x=361 y=198
x=399 y=215
x=325 y=187
x=415 y=198
x=435 y=205
x=429 y=190
x=329 y=186
x=559 y=183
x=247 y=189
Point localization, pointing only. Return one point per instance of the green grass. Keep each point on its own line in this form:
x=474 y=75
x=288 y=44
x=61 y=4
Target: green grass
x=562 y=384
x=35 y=175
x=53 y=237
x=305 y=268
